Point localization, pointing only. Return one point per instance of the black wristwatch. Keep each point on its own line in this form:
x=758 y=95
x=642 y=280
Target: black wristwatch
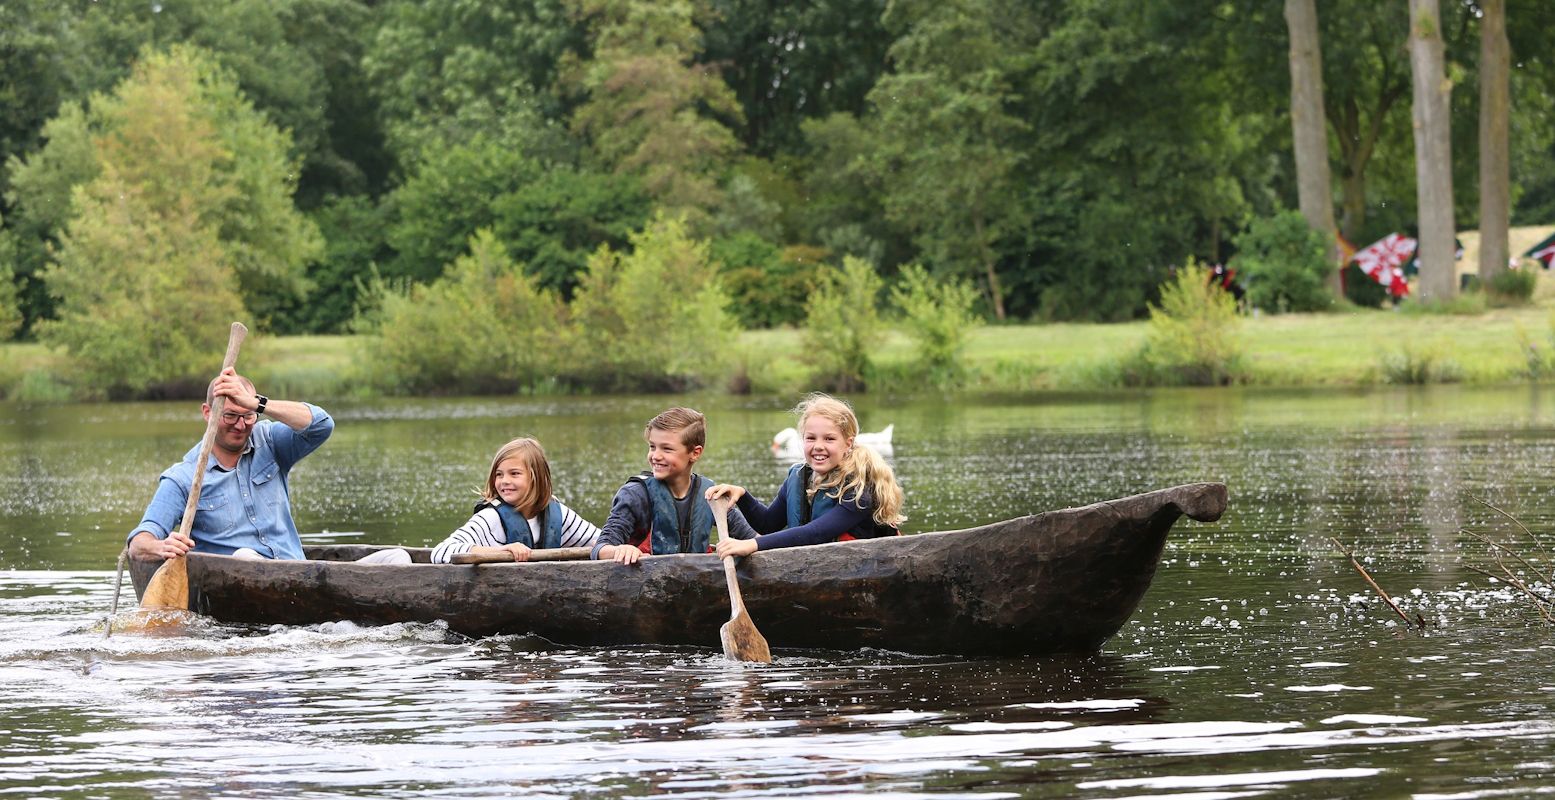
x=263 y=401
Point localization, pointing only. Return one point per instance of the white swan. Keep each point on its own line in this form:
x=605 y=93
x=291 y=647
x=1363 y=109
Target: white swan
x=787 y=444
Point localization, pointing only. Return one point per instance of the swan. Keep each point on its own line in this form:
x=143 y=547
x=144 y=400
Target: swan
x=787 y=444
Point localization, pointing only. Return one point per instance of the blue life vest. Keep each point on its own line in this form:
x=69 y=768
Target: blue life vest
x=802 y=508
x=516 y=529
x=666 y=537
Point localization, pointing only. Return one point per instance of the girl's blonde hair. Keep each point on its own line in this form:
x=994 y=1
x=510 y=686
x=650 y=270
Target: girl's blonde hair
x=861 y=468
x=532 y=456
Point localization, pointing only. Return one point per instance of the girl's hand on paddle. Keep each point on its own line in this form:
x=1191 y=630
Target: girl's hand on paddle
x=735 y=547
x=519 y=550
x=734 y=493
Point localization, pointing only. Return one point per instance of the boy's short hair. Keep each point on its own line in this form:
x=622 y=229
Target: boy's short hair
x=688 y=422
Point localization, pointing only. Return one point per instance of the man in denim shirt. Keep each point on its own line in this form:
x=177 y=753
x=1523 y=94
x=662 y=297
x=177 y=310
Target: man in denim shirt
x=244 y=508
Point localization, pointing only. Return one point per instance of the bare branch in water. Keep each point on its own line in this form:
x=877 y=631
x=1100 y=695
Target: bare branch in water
x=1509 y=551
x=1538 y=602
x=1518 y=523
x=1419 y=620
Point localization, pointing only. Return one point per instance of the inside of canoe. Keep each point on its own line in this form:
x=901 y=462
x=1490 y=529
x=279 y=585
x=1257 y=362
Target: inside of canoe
x=353 y=552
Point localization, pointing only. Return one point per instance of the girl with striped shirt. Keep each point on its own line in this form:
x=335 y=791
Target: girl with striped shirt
x=517 y=512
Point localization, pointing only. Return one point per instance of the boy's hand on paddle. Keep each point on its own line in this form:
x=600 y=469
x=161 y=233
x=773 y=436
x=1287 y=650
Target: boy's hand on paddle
x=735 y=547
x=625 y=554
x=727 y=490
x=519 y=550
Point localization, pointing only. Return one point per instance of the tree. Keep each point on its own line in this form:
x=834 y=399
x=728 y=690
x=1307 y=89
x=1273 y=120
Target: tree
x=842 y=325
x=549 y=215
x=10 y=308
x=948 y=142
x=187 y=221
x=1309 y=127
x=652 y=112
x=1433 y=151
x=483 y=327
x=653 y=319
x=1495 y=197
x=443 y=72
x=790 y=62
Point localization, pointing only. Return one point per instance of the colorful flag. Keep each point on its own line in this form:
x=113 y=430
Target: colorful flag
x=1383 y=261
x=1544 y=252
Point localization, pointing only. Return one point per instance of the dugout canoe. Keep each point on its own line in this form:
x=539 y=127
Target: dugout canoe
x=1056 y=582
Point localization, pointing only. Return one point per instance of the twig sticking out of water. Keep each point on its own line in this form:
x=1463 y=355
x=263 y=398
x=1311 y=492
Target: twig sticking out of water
x=118 y=583
x=1515 y=521
x=1417 y=621
x=1509 y=551
x=1538 y=602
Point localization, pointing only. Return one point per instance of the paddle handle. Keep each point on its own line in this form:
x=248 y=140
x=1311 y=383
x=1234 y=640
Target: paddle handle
x=736 y=600
x=720 y=508
x=218 y=404
x=506 y=556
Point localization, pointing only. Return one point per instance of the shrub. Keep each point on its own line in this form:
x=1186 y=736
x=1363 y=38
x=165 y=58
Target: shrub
x=654 y=319
x=842 y=325
x=1360 y=289
x=937 y=316
x=1413 y=366
x=767 y=284
x=1285 y=263
x=481 y=328
x=1513 y=286
x=1191 y=336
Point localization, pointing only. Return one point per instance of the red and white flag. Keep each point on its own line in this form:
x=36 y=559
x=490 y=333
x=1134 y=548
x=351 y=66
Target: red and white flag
x=1384 y=261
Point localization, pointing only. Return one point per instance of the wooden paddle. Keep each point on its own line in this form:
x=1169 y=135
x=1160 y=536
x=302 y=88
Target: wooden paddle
x=169 y=587
x=741 y=640
x=506 y=556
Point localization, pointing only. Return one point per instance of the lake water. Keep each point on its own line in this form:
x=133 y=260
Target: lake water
x=1260 y=664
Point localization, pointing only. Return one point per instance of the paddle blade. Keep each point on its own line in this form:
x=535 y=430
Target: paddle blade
x=155 y=622
x=169 y=586
x=742 y=642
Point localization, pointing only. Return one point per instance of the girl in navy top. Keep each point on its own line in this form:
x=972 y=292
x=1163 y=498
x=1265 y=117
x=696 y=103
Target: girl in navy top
x=840 y=491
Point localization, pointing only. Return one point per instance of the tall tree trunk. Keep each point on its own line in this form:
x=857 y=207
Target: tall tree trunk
x=1495 y=197
x=1314 y=186
x=989 y=261
x=1433 y=151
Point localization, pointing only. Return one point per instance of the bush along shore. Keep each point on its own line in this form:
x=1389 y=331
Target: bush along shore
x=1345 y=348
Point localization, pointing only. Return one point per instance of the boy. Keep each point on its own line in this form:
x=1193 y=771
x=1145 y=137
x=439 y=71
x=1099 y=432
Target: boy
x=663 y=510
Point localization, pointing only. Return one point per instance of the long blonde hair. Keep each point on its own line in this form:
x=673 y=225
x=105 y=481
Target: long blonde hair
x=860 y=468
x=532 y=455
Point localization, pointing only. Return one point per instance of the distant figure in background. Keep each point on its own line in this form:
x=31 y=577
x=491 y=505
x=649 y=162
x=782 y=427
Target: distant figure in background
x=1225 y=277
x=517 y=511
x=842 y=490
x=245 y=506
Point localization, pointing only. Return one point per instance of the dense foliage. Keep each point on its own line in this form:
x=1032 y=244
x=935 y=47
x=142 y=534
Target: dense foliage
x=1056 y=156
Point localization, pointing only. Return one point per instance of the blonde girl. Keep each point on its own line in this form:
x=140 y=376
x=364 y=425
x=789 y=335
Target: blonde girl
x=517 y=512
x=841 y=491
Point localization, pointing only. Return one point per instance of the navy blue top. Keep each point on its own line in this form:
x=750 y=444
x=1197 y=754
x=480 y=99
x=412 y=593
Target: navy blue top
x=842 y=518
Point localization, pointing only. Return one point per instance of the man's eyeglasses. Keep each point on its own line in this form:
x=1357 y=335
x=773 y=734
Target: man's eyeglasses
x=232 y=417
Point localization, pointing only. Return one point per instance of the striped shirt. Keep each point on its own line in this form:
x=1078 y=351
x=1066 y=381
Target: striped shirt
x=485 y=530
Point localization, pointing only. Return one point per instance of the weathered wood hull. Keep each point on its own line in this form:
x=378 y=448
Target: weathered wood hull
x=1057 y=582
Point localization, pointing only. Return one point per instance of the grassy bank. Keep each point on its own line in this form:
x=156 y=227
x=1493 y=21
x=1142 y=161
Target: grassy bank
x=1354 y=348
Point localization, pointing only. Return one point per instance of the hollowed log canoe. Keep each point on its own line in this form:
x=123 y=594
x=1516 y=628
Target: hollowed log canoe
x=1055 y=582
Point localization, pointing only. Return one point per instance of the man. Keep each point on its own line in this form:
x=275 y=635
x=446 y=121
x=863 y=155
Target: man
x=244 y=507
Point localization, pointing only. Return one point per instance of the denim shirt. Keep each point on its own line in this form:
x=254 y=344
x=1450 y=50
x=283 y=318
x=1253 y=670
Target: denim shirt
x=247 y=506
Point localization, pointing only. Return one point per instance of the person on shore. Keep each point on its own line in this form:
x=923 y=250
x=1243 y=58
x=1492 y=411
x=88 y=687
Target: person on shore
x=244 y=507
x=517 y=512
x=665 y=509
x=841 y=491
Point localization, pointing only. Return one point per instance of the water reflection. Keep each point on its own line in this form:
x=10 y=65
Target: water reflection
x=1259 y=664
